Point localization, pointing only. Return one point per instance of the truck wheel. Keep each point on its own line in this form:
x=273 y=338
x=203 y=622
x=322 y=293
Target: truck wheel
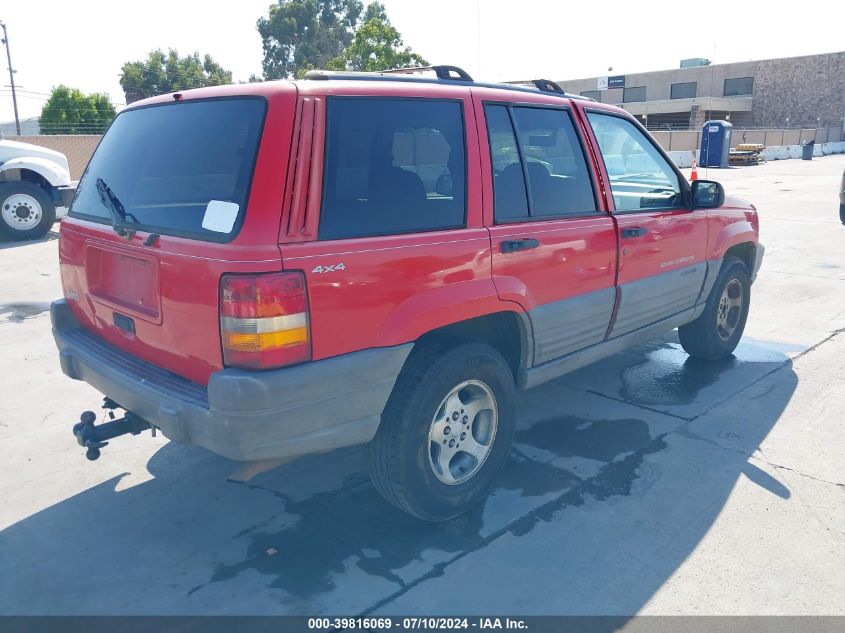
x=446 y=430
x=26 y=211
x=715 y=334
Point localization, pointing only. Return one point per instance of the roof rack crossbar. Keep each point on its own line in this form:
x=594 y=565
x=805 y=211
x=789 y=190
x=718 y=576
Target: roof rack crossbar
x=442 y=72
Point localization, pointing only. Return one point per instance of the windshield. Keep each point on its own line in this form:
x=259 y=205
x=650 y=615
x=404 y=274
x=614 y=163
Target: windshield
x=182 y=168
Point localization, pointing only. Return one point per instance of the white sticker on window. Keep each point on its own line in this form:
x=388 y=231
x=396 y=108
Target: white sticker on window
x=220 y=216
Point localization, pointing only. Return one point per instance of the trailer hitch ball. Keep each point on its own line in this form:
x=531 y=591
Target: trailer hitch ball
x=86 y=422
x=93 y=438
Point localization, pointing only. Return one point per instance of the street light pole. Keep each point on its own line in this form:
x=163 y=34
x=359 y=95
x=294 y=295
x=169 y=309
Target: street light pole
x=11 y=78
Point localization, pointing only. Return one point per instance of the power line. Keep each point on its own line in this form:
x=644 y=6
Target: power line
x=111 y=103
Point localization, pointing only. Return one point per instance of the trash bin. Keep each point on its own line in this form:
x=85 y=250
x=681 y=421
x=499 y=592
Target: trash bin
x=807 y=150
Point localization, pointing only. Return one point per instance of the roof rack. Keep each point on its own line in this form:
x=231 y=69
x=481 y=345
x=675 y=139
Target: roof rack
x=442 y=72
x=545 y=85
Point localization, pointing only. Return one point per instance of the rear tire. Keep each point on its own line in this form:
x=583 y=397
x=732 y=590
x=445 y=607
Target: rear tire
x=446 y=430
x=715 y=334
x=26 y=211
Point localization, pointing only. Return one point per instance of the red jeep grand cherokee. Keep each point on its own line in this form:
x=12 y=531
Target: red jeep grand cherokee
x=275 y=269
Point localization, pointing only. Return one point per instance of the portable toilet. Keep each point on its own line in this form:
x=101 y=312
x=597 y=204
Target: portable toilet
x=715 y=144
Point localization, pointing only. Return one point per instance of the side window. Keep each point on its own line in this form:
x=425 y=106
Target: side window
x=545 y=141
x=392 y=166
x=510 y=197
x=640 y=178
x=559 y=183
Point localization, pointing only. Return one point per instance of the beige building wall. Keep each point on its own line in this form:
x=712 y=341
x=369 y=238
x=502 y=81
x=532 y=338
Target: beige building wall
x=710 y=80
x=77 y=148
x=792 y=92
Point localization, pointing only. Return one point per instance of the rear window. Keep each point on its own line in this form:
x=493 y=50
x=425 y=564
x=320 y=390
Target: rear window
x=178 y=169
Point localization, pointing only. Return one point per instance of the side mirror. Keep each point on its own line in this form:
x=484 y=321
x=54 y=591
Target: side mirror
x=443 y=186
x=707 y=194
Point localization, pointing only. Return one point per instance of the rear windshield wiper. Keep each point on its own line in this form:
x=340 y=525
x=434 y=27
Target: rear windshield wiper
x=117 y=210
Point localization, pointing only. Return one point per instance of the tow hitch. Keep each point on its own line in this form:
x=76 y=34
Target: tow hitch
x=94 y=437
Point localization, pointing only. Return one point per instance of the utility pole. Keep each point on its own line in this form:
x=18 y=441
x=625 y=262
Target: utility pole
x=11 y=78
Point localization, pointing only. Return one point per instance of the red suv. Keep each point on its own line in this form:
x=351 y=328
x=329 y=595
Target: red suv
x=274 y=269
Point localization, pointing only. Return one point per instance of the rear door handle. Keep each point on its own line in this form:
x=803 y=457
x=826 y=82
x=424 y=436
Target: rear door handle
x=510 y=246
x=637 y=231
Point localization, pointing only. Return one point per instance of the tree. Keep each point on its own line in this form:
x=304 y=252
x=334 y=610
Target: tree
x=377 y=46
x=375 y=10
x=298 y=35
x=161 y=73
x=68 y=111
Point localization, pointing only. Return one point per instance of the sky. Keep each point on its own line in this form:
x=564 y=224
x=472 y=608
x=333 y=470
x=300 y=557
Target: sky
x=84 y=43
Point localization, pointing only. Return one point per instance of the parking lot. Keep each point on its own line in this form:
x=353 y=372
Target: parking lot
x=647 y=483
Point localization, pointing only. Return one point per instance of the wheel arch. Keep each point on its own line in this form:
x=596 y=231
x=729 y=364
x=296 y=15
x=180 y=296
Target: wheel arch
x=745 y=252
x=738 y=239
x=37 y=170
x=506 y=331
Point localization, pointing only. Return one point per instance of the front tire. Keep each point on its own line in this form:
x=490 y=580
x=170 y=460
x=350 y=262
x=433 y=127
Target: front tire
x=446 y=430
x=26 y=211
x=715 y=334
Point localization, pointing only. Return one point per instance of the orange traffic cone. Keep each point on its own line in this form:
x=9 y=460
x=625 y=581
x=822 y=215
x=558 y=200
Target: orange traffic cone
x=694 y=175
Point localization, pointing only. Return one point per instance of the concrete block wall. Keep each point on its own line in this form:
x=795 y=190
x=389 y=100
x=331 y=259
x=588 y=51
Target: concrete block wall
x=807 y=91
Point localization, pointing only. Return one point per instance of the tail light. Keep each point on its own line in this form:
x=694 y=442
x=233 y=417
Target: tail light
x=264 y=320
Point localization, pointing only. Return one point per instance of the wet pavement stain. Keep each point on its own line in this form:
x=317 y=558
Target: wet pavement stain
x=668 y=376
x=663 y=374
x=330 y=532
x=18 y=312
x=600 y=440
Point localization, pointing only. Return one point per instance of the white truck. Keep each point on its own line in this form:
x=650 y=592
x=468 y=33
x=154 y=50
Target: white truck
x=35 y=189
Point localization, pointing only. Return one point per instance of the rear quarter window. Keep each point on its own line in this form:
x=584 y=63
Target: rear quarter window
x=392 y=166
x=183 y=168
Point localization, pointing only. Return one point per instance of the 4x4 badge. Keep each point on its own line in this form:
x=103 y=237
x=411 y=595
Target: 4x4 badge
x=329 y=269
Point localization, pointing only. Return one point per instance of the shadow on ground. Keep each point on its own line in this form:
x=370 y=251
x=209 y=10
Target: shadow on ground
x=6 y=243
x=314 y=537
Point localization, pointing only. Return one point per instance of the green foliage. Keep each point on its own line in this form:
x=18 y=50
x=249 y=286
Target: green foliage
x=375 y=10
x=160 y=74
x=68 y=111
x=299 y=35
x=377 y=46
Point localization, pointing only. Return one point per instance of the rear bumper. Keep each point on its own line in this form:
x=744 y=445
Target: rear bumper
x=243 y=415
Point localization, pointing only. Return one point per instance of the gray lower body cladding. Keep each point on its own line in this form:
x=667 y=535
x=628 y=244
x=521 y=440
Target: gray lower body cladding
x=537 y=375
x=570 y=334
x=563 y=327
x=309 y=408
x=652 y=299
